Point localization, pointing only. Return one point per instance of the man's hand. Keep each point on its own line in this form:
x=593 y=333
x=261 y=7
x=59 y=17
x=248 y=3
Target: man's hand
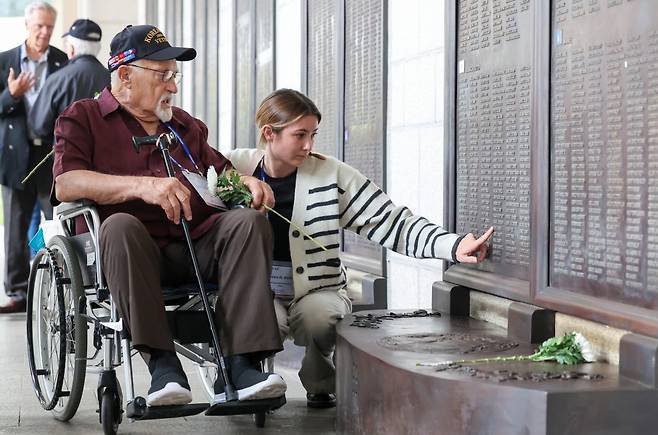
x=472 y=250
x=18 y=86
x=261 y=192
x=170 y=194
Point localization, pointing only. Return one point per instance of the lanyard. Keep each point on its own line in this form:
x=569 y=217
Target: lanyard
x=262 y=178
x=262 y=171
x=185 y=149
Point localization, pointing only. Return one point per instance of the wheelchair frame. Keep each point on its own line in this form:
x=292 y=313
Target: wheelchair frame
x=110 y=336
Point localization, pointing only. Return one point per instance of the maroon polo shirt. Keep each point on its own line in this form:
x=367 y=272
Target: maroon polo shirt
x=96 y=135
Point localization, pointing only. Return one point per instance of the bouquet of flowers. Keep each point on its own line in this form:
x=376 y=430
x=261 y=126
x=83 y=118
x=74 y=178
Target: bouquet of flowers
x=571 y=348
x=228 y=187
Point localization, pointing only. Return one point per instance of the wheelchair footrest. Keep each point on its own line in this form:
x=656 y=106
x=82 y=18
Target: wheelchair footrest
x=246 y=406
x=137 y=410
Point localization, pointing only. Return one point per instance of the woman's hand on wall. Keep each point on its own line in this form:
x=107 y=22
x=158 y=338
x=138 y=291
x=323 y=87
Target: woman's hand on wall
x=472 y=250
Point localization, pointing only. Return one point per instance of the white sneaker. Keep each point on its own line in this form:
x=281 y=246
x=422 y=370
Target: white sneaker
x=273 y=386
x=171 y=394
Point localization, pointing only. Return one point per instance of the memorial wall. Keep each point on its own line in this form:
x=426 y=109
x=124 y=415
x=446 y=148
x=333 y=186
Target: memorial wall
x=576 y=208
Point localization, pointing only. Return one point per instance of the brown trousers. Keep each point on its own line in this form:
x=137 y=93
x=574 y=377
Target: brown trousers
x=236 y=252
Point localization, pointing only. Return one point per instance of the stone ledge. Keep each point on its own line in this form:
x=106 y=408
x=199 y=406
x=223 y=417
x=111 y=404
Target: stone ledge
x=529 y=323
x=450 y=298
x=492 y=309
x=381 y=390
x=638 y=358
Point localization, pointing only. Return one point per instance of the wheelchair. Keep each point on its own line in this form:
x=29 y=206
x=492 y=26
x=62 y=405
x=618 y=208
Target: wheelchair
x=70 y=314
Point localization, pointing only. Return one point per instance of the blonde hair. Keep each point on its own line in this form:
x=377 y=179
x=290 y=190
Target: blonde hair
x=282 y=108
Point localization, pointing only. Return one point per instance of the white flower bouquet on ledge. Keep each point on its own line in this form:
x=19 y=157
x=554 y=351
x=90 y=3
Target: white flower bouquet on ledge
x=569 y=349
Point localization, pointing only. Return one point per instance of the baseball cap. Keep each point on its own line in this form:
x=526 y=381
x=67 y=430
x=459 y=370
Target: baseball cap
x=84 y=29
x=144 y=42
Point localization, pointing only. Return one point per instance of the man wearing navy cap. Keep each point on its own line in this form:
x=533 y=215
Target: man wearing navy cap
x=83 y=77
x=23 y=72
x=142 y=244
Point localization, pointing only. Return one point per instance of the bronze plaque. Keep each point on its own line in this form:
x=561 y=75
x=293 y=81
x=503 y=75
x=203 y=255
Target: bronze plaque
x=364 y=103
x=604 y=149
x=322 y=86
x=493 y=116
x=244 y=63
x=264 y=49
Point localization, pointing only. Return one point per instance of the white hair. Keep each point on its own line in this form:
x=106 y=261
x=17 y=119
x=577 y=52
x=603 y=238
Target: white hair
x=39 y=6
x=80 y=46
x=115 y=81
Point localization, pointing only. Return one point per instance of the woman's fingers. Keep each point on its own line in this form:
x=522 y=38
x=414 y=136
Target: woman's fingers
x=484 y=237
x=472 y=250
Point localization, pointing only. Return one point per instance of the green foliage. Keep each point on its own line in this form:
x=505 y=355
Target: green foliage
x=232 y=190
x=564 y=350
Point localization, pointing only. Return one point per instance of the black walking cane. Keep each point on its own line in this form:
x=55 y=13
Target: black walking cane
x=163 y=141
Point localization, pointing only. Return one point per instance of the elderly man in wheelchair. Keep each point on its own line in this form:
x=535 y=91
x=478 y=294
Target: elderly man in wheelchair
x=135 y=226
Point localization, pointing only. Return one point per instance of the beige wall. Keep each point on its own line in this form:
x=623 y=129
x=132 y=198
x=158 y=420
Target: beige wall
x=12 y=32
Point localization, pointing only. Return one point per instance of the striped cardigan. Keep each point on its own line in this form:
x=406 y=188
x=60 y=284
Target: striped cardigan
x=330 y=195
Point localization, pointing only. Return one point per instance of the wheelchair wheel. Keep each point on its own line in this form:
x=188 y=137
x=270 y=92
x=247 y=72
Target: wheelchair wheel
x=56 y=330
x=110 y=413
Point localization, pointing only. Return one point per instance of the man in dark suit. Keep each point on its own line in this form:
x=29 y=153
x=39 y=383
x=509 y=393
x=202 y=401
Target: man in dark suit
x=23 y=70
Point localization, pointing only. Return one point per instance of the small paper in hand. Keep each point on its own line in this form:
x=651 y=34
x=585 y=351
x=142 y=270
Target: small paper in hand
x=200 y=184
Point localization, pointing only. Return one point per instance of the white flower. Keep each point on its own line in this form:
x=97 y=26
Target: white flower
x=585 y=347
x=212 y=180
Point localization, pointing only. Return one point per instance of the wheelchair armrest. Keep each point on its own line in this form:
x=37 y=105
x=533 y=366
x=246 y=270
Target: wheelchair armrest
x=68 y=207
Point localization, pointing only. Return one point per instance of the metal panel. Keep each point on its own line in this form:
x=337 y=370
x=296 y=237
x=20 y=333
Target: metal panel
x=244 y=77
x=200 y=70
x=150 y=13
x=604 y=150
x=322 y=85
x=212 y=73
x=364 y=104
x=493 y=121
x=303 y=48
x=618 y=151
x=264 y=49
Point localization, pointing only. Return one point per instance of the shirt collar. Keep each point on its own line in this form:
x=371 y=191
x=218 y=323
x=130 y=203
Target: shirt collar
x=24 y=56
x=107 y=103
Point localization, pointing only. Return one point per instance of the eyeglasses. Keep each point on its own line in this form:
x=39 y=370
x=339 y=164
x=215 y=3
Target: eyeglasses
x=166 y=74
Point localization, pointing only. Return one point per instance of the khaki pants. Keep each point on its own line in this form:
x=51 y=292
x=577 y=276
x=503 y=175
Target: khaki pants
x=311 y=322
x=235 y=252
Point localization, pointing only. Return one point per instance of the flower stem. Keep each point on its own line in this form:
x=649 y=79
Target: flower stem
x=296 y=226
x=38 y=166
x=479 y=360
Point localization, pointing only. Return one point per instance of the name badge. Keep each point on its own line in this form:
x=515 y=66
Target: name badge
x=200 y=184
x=281 y=280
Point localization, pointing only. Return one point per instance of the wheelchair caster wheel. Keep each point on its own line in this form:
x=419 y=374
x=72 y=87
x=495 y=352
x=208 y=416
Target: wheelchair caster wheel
x=259 y=419
x=110 y=413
